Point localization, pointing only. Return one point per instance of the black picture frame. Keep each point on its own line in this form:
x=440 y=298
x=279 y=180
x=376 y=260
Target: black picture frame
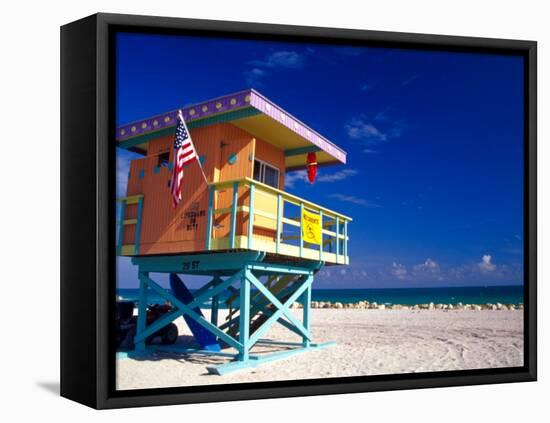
x=87 y=215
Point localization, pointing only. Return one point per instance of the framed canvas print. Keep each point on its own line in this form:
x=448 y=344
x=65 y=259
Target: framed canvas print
x=256 y=211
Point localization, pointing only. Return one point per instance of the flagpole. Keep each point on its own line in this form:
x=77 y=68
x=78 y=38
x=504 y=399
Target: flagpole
x=180 y=115
x=202 y=171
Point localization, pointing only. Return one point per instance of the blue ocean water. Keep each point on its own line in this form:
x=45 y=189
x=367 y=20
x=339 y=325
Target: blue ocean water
x=406 y=296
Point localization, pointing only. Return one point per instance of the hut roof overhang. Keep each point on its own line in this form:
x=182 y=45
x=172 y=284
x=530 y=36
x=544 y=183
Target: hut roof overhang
x=248 y=110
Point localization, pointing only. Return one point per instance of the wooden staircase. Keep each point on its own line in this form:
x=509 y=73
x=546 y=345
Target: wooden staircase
x=261 y=308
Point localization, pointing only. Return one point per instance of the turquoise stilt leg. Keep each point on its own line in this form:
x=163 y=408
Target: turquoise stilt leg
x=142 y=310
x=306 y=304
x=244 y=317
x=215 y=303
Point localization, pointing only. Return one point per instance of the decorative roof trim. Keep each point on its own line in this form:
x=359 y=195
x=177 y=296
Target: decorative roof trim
x=225 y=104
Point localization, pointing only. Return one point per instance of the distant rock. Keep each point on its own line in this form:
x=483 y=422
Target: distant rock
x=382 y=307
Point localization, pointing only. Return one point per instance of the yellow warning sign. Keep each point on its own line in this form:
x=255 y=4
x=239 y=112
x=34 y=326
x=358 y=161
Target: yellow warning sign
x=311 y=228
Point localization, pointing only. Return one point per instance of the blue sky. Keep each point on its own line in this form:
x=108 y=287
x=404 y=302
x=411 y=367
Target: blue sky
x=434 y=179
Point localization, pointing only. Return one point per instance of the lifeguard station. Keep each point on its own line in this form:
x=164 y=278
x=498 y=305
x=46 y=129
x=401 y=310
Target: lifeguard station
x=241 y=228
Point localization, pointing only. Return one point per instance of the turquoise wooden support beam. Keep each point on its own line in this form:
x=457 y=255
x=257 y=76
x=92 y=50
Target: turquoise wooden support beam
x=345 y=240
x=210 y=217
x=197 y=264
x=244 y=317
x=264 y=341
x=301 y=229
x=280 y=321
x=259 y=304
x=121 y=227
x=280 y=268
x=204 y=288
x=321 y=246
x=257 y=360
x=142 y=311
x=216 y=290
x=234 y=215
x=301 y=150
x=138 y=225
x=306 y=304
x=337 y=238
x=215 y=302
x=186 y=309
x=197 y=302
x=157 y=325
x=283 y=309
x=279 y=220
x=251 y=216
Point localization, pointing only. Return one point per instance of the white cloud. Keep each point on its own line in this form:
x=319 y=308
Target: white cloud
x=277 y=59
x=281 y=59
x=365 y=131
x=359 y=129
x=428 y=266
x=354 y=200
x=398 y=270
x=486 y=264
x=254 y=76
x=337 y=176
x=293 y=177
x=301 y=176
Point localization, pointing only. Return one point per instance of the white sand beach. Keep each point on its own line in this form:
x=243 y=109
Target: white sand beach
x=368 y=342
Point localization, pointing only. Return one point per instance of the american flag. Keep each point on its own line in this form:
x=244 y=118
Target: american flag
x=184 y=152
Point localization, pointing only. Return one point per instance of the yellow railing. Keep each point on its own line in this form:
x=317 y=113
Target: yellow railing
x=266 y=205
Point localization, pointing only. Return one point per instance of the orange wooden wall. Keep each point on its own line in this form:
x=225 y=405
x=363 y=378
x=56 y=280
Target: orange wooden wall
x=166 y=230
